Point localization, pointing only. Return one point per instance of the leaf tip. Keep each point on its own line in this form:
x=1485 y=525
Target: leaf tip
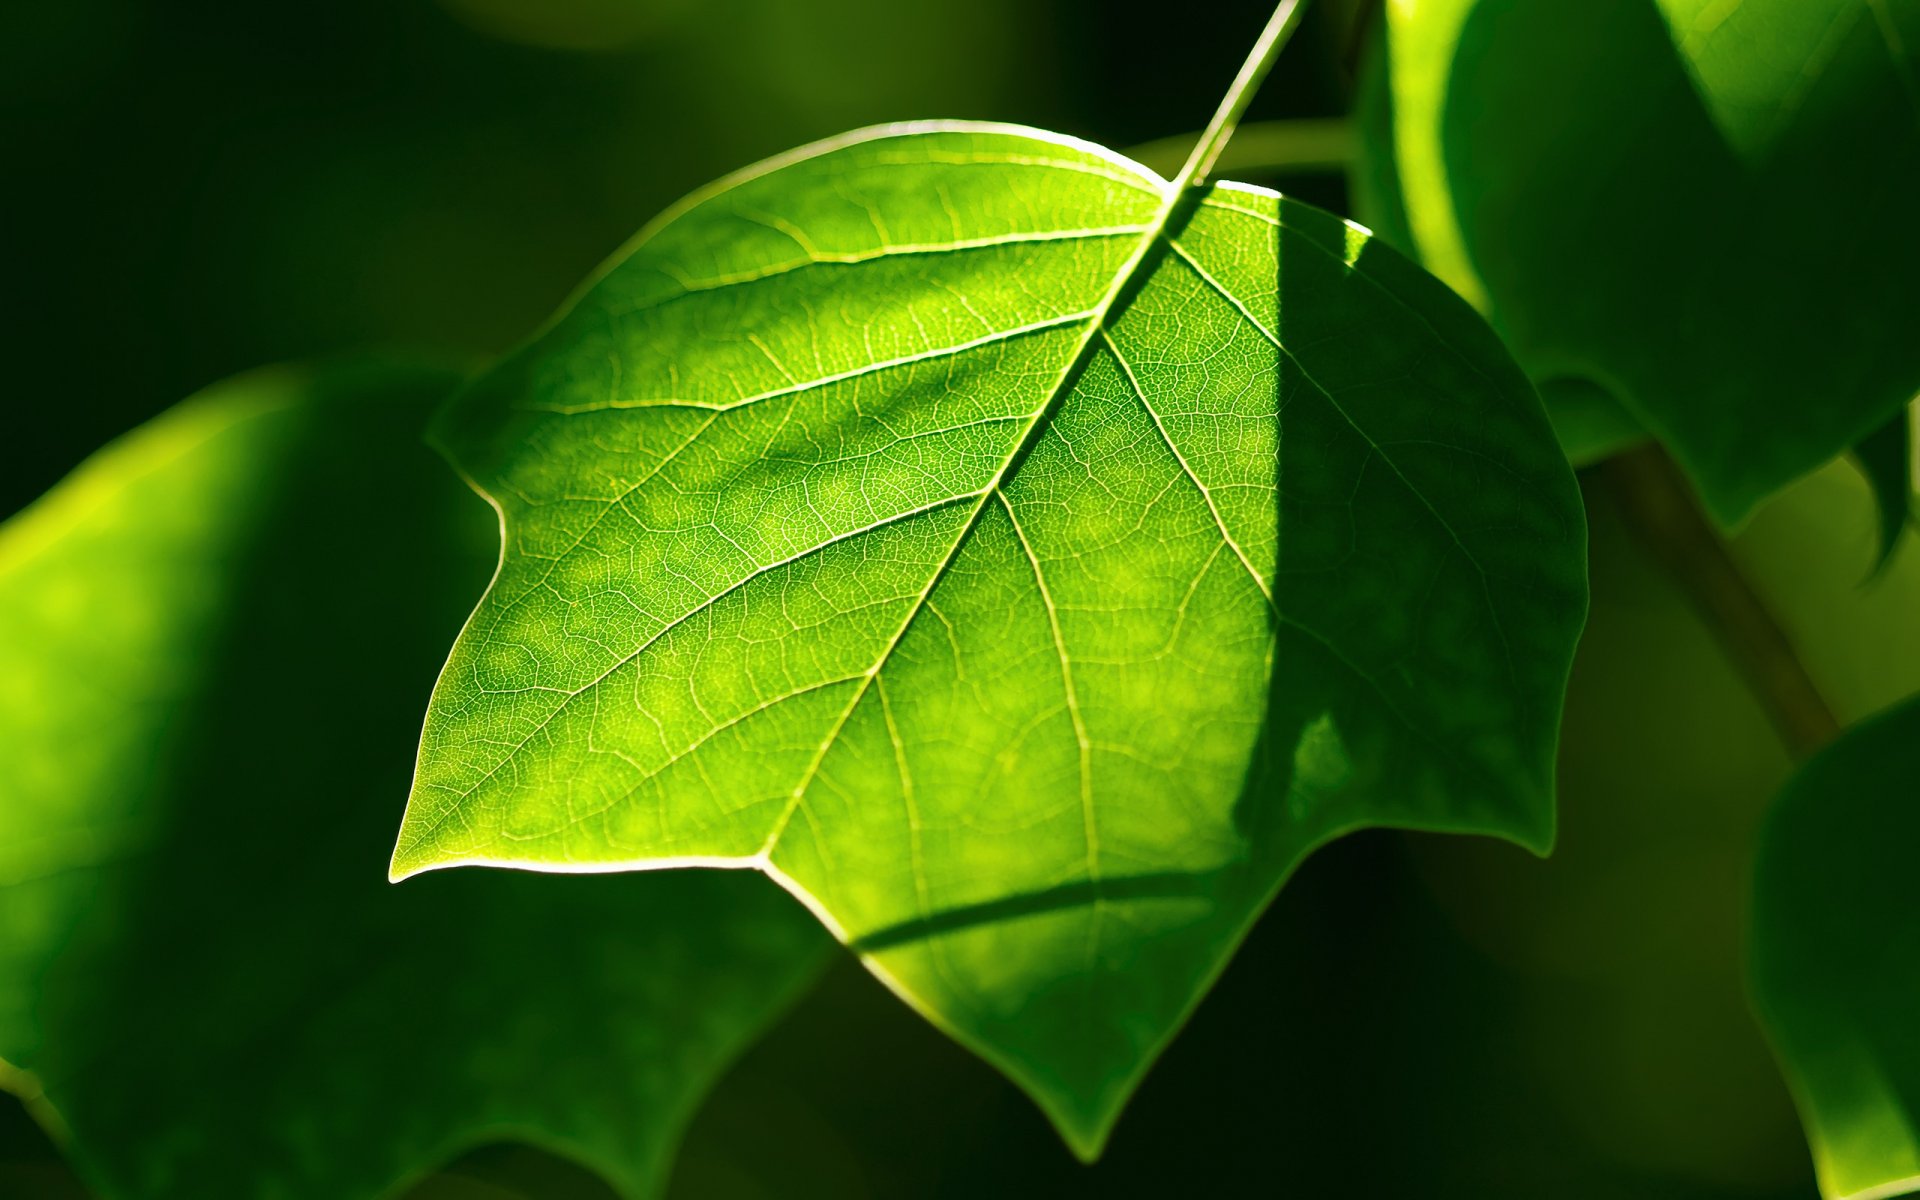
x=1084 y=1121
x=1538 y=837
x=411 y=858
x=1087 y=1143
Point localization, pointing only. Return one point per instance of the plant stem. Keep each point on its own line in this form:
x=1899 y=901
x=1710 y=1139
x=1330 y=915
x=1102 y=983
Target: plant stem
x=1233 y=106
x=1312 y=144
x=25 y=1087
x=1660 y=510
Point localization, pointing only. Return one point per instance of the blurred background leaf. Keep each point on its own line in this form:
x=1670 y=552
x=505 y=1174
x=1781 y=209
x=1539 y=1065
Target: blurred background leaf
x=1836 y=952
x=1704 y=208
x=216 y=638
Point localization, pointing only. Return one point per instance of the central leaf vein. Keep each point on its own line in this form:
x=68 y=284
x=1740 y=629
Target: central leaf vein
x=1095 y=321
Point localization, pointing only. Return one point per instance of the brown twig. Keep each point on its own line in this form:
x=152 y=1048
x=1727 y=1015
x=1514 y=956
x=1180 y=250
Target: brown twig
x=1660 y=510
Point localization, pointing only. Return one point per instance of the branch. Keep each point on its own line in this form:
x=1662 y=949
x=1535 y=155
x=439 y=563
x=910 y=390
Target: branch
x=1662 y=513
x=1273 y=39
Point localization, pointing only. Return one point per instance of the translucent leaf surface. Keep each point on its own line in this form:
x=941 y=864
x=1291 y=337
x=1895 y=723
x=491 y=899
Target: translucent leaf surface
x=214 y=640
x=1024 y=568
x=1836 y=954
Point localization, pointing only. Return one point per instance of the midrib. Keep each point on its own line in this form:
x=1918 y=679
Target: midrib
x=1285 y=18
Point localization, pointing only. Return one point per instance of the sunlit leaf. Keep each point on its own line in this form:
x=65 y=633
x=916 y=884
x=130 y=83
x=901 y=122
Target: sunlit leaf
x=214 y=640
x=934 y=520
x=1703 y=207
x=1836 y=954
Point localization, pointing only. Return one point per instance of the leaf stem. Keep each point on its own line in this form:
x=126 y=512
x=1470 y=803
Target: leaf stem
x=1233 y=106
x=1660 y=510
x=25 y=1087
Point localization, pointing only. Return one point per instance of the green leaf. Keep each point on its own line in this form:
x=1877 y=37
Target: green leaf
x=1590 y=422
x=932 y=519
x=1758 y=64
x=213 y=641
x=1835 y=963
x=1705 y=208
x=1885 y=457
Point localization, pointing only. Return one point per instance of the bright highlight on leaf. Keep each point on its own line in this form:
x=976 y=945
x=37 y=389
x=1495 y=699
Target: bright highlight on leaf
x=1024 y=568
x=213 y=637
x=1836 y=954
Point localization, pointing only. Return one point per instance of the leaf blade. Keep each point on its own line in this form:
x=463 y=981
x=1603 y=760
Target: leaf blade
x=969 y=640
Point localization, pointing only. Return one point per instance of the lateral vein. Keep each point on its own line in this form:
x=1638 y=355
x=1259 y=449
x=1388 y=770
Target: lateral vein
x=808 y=385
x=1206 y=494
x=828 y=258
x=1094 y=319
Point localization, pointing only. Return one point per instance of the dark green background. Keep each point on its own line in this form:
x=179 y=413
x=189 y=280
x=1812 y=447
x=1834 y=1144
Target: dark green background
x=200 y=186
x=195 y=188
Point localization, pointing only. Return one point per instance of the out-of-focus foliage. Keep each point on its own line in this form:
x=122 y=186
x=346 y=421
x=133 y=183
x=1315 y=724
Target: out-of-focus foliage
x=1591 y=424
x=213 y=641
x=1705 y=209
x=1836 y=953
x=219 y=184
x=1886 y=458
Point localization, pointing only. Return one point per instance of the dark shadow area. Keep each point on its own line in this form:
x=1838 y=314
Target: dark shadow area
x=30 y=1164
x=1429 y=582
x=1159 y=886
x=1358 y=1045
